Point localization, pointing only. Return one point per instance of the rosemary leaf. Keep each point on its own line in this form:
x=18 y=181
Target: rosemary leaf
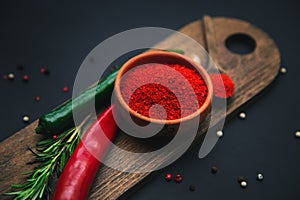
x=52 y=156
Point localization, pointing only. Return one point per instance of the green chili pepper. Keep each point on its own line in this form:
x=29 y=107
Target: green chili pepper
x=62 y=117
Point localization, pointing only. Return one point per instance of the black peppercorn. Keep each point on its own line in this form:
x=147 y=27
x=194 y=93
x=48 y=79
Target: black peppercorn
x=240 y=179
x=214 y=169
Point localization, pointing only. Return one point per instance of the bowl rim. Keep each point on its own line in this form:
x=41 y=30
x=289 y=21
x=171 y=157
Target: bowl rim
x=128 y=64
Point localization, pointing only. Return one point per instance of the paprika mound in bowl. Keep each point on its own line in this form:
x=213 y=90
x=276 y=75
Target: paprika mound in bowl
x=162 y=88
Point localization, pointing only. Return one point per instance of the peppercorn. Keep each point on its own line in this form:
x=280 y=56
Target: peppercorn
x=213 y=169
x=168 y=177
x=65 y=89
x=243 y=184
x=178 y=178
x=54 y=137
x=44 y=71
x=5 y=77
x=37 y=98
x=25 y=78
x=283 y=70
x=240 y=179
x=11 y=76
x=220 y=134
x=25 y=118
x=242 y=115
x=260 y=177
x=297 y=134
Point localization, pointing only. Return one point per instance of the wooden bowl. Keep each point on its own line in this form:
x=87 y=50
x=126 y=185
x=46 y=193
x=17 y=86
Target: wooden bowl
x=161 y=57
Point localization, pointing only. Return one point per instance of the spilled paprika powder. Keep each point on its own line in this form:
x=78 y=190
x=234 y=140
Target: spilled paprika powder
x=150 y=89
x=223 y=85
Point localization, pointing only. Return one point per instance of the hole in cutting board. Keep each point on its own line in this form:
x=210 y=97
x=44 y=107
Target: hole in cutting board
x=240 y=43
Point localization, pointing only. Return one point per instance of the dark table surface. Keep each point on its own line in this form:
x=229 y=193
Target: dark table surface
x=59 y=34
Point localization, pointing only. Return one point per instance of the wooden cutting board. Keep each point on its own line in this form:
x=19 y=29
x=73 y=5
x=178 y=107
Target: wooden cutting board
x=251 y=74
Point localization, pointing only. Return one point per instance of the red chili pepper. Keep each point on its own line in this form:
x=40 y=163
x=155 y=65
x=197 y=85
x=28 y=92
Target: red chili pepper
x=78 y=175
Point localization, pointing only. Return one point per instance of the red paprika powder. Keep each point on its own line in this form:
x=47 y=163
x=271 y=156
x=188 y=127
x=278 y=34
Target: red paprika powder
x=163 y=91
x=223 y=85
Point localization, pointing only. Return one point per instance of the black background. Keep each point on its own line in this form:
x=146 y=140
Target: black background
x=59 y=34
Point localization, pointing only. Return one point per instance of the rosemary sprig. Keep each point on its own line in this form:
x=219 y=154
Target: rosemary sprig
x=52 y=156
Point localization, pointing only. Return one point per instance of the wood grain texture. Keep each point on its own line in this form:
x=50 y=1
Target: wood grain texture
x=210 y=40
x=251 y=74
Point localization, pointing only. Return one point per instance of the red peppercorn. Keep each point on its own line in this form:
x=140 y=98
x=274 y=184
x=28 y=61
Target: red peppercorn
x=178 y=178
x=37 y=98
x=25 y=78
x=168 y=177
x=44 y=71
x=54 y=137
x=65 y=89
